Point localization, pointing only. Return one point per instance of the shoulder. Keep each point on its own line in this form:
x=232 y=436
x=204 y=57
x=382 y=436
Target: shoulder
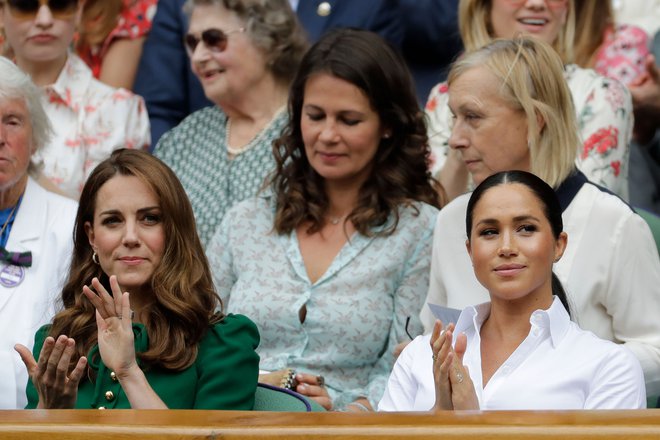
x=455 y=210
x=59 y=209
x=583 y=82
x=206 y=119
x=233 y=330
x=437 y=97
x=251 y=210
x=419 y=212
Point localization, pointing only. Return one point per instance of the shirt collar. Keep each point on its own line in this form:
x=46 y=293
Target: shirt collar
x=569 y=188
x=555 y=319
x=74 y=77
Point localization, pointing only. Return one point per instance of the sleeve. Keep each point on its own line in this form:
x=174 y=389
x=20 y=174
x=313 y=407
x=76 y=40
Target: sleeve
x=623 y=53
x=220 y=256
x=30 y=390
x=605 y=121
x=164 y=78
x=438 y=118
x=124 y=115
x=618 y=384
x=408 y=300
x=437 y=293
x=228 y=365
x=632 y=292
x=400 y=392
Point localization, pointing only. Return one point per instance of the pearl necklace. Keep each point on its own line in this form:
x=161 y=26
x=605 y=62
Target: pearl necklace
x=255 y=140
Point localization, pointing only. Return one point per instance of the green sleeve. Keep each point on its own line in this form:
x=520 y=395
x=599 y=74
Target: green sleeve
x=30 y=390
x=228 y=365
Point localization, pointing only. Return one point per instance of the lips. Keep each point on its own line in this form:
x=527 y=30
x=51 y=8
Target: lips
x=509 y=269
x=131 y=260
x=329 y=157
x=42 y=38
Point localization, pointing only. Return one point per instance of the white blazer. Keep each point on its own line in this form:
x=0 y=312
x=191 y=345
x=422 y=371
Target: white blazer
x=44 y=226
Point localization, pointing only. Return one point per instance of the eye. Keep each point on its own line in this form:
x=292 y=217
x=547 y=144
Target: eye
x=315 y=116
x=350 y=121
x=488 y=232
x=471 y=116
x=151 y=218
x=110 y=220
x=527 y=228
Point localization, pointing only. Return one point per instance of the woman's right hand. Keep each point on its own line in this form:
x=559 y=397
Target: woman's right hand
x=56 y=387
x=442 y=361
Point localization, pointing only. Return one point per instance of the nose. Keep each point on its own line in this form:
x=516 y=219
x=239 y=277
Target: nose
x=507 y=246
x=131 y=236
x=329 y=132
x=44 y=17
x=535 y=4
x=200 y=55
x=458 y=139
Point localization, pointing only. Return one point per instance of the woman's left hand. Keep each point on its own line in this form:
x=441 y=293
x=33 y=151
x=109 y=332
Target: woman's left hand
x=114 y=327
x=313 y=387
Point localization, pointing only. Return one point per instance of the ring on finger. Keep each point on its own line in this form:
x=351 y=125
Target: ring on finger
x=459 y=377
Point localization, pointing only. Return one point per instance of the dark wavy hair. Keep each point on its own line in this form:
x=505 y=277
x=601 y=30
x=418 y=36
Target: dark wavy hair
x=543 y=192
x=184 y=299
x=400 y=173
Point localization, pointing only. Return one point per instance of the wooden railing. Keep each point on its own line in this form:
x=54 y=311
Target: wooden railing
x=188 y=425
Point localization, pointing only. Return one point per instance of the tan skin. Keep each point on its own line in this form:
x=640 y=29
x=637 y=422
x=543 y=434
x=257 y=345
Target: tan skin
x=513 y=297
x=120 y=62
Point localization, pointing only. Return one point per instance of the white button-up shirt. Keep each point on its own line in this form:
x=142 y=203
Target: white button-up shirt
x=557 y=366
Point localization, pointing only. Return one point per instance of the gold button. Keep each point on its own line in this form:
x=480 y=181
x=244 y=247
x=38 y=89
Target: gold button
x=101 y=407
x=113 y=376
x=324 y=9
x=109 y=395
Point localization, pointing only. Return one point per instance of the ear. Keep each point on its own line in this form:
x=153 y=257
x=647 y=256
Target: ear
x=79 y=13
x=540 y=122
x=89 y=230
x=560 y=246
x=469 y=248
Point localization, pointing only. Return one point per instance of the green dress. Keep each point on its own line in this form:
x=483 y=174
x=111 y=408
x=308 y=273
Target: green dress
x=224 y=375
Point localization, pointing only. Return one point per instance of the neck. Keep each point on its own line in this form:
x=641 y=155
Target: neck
x=509 y=320
x=9 y=197
x=43 y=73
x=341 y=201
x=258 y=105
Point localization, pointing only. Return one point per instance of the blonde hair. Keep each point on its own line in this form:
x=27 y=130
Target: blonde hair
x=532 y=77
x=592 y=18
x=476 y=30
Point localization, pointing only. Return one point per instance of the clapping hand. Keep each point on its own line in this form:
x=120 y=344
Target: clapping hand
x=114 y=324
x=454 y=388
x=56 y=386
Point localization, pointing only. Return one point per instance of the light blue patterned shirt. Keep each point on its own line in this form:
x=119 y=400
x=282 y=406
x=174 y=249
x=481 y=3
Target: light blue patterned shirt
x=356 y=312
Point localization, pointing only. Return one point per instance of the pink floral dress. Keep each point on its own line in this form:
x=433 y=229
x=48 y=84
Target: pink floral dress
x=622 y=54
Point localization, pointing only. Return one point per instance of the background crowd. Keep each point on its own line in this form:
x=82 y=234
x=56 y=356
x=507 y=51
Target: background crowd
x=197 y=195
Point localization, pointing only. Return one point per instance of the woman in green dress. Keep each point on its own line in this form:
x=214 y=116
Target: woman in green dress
x=142 y=325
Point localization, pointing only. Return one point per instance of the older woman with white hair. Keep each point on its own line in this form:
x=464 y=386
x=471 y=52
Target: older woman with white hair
x=36 y=231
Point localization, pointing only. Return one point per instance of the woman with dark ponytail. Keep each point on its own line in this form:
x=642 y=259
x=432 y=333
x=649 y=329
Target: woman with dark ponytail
x=520 y=350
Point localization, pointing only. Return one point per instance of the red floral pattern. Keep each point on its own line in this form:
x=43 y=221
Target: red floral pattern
x=603 y=140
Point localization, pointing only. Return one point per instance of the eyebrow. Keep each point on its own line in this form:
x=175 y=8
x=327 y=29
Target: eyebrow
x=341 y=112
x=141 y=210
x=517 y=219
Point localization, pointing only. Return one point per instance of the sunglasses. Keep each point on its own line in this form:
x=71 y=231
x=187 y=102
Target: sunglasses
x=214 y=39
x=28 y=9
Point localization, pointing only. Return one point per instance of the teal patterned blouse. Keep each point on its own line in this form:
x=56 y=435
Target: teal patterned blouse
x=196 y=150
x=356 y=312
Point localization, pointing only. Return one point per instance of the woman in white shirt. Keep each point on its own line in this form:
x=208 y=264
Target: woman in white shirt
x=520 y=350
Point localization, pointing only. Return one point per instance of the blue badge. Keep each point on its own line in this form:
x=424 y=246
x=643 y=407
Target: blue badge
x=12 y=276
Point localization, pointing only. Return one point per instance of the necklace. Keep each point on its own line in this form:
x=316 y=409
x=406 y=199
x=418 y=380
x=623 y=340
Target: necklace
x=255 y=140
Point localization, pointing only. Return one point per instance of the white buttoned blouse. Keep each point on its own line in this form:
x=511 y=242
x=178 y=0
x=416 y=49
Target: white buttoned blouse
x=557 y=366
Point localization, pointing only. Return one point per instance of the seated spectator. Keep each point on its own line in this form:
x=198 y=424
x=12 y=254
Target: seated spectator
x=111 y=37
x=603 y=106
x=520 y=350
x=164 y=78
x=245 y=58
x=90 y=119
x=521 y=117
x=168 y=344
x=332 y=260
x=614 y=50
x=35 y=237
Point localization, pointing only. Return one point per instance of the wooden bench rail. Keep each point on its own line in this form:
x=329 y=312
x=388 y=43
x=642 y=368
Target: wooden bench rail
x=189 y=425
